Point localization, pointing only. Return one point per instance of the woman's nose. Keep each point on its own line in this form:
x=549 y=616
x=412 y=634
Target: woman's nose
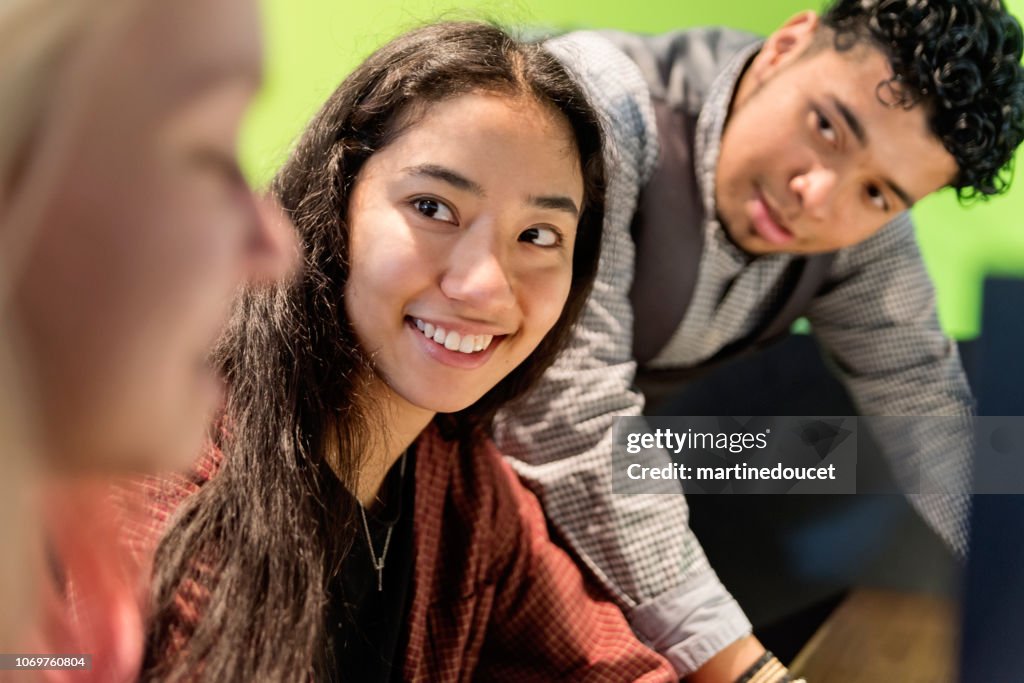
x=477 y=272
x=272 y=247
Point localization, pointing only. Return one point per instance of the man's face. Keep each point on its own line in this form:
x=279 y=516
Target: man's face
x=811 y=159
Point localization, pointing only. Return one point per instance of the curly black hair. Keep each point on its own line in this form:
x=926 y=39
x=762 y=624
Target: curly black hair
x=961 y=60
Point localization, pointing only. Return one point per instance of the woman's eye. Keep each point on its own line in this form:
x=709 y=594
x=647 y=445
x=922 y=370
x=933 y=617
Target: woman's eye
x=222 y=164
x=542 y=236
x=825 y=128
x=877 y=197
x=435 y=209
x=220 y=171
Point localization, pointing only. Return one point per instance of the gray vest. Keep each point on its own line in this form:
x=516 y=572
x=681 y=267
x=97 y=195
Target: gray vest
x=668 y=227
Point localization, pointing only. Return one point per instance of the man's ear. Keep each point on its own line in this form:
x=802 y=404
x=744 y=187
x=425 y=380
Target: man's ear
x=785 y=45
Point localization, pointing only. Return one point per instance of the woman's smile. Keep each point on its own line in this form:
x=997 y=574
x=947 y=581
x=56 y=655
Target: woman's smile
x=449 y=347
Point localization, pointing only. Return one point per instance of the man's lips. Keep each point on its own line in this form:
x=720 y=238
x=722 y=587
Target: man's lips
x=766 y=223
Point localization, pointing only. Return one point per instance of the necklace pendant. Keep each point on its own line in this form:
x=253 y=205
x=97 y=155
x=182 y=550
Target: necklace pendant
x=378 y=563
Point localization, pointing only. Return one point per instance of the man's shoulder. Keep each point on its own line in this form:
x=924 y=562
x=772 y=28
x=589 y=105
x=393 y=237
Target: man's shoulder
x=680 y=66
x=895 y=243
x=616 y=88
x=603 y=69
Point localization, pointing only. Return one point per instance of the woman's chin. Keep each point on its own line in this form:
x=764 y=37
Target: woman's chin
x=433 y=402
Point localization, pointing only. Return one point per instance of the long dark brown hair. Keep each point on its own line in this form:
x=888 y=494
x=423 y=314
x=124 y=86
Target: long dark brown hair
x=265 y=535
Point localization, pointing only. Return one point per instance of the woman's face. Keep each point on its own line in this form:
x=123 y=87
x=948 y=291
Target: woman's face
x=148 y=231
x=461 y=241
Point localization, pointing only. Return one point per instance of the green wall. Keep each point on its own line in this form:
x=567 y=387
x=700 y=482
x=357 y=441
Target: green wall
x=312 y=44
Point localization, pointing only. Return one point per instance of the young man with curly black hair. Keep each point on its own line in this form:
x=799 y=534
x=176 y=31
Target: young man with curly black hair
x=752 y=183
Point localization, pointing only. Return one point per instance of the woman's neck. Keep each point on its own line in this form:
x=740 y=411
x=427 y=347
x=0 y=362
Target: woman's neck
x=402 y=422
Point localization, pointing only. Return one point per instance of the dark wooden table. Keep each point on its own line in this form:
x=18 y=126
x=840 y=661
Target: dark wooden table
x=877 y=635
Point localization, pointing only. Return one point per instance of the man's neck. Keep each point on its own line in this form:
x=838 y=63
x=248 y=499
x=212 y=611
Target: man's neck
x=745 y=87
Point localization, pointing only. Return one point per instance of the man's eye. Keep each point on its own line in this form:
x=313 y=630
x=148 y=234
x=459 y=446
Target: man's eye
x=825 y=127
x=877 y=197
x=542 y=236
x=434 y=208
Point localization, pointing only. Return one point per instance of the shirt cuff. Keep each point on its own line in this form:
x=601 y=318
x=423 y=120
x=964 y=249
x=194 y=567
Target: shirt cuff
x=691 y=623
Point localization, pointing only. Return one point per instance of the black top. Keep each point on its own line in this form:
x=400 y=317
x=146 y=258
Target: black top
x=367 y=627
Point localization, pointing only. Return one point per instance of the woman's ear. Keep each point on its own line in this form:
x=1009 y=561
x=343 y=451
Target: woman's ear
x=784 y=45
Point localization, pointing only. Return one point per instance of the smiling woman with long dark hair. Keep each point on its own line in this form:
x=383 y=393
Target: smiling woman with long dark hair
x=353 y=521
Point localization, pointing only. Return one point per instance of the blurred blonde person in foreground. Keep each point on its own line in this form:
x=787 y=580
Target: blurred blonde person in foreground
x=125 y=228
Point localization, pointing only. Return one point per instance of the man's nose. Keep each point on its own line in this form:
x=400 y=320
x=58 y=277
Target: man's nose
x=272 y=247
x=815 y=188
x=478 y=273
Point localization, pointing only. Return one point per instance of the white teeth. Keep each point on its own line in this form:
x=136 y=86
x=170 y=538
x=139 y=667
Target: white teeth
x=452 y=340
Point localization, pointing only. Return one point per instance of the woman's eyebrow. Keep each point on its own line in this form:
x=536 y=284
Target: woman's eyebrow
x=556 y=202
x=457 y=180
x=446 y=175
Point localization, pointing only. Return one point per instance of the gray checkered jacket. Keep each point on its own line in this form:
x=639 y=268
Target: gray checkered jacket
x=873 y=313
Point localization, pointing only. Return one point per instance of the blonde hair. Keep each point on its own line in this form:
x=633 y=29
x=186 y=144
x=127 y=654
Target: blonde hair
x=34 y=37
x=37 y=38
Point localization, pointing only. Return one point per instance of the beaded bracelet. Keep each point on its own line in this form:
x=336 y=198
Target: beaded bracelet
x=767 y=669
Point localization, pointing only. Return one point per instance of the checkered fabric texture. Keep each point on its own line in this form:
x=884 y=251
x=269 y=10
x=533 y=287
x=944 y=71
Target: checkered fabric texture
x=493 y=598
x=875 y=320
